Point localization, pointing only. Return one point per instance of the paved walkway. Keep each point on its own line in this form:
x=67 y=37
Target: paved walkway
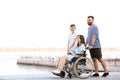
x=30 y=72
x=50 y=76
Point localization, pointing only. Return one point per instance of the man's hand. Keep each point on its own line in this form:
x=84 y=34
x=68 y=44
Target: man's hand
x=69 y=47
x=70 y=52
x=90 y=47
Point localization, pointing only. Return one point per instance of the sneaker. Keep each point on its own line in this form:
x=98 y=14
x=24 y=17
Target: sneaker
x=95 y=75
x=56 y=72
x=105 y=74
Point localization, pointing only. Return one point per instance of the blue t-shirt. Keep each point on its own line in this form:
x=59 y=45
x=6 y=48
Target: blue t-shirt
x=77 y=50
x=93 y=30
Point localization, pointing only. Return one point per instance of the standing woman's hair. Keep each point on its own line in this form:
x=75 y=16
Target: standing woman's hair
x=82 y=40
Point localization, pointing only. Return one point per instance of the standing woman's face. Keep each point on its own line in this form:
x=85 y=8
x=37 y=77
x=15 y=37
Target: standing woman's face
x=78 y=38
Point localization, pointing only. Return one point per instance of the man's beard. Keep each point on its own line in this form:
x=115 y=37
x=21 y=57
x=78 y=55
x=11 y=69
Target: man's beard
x=89 y=23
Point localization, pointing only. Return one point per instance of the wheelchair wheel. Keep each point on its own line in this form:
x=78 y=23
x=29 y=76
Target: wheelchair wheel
x=83 y=67
x=62 y=74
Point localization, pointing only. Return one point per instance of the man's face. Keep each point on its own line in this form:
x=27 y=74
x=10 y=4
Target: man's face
x=90 y=21
x=72 y=29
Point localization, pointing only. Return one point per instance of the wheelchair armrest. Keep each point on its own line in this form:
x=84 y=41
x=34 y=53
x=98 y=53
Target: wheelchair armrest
x=69 y=53
x=84 y=55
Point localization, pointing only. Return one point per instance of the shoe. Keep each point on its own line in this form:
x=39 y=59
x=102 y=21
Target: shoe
x=61 y=74
x=105 y=74
x=56 y=72
x=95 y=75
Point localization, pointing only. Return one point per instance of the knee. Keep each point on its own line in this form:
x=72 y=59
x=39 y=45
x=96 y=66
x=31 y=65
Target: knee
x=94 y=60
x=100 y=60
x=63 y=57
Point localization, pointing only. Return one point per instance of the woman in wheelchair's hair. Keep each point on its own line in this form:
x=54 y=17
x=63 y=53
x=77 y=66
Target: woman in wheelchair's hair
x=80 y=48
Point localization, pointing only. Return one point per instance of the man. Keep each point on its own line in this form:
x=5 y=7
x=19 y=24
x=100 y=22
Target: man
x=70 y=47
x=95 y=46
x=72 y=38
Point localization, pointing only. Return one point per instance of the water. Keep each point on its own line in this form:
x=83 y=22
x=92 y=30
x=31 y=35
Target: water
x=8 y=62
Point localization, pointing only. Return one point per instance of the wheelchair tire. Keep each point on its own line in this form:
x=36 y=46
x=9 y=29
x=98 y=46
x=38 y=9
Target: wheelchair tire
x=62 y=74
x=69 y=76
x=83 y=67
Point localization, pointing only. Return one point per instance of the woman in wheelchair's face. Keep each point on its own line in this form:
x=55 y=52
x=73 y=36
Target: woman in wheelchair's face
x=78 y=38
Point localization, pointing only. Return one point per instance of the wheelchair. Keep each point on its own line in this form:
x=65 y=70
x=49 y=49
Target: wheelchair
x=81 y=67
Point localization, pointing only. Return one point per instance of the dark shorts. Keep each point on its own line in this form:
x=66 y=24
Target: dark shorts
x=96 y=53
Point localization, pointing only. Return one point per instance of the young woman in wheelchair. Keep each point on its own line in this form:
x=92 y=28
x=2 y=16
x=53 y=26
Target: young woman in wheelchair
x=80 y=49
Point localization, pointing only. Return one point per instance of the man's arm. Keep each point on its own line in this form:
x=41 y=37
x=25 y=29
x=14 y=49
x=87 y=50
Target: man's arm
x=86 y=41
x=72 y=44
x=93 y=41
x=68 y=47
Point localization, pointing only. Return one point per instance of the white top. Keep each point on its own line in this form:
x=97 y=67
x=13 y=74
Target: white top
x=71 y=40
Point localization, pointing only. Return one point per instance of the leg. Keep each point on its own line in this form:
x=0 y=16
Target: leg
x=61 y=63
x=103 y=65
x=94 y=59
x=95 y=64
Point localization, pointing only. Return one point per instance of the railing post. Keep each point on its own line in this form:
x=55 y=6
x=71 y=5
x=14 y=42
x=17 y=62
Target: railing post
x=115 y=61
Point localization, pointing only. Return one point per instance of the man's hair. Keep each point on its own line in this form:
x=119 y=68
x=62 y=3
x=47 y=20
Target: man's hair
x=72 y=25
x=90 y=17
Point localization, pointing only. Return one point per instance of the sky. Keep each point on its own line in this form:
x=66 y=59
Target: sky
x=45 y=23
